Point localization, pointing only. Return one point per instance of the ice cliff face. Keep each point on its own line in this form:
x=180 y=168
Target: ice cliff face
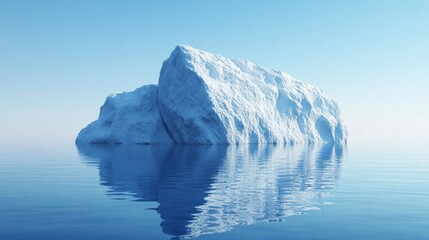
x=129 y=117
x=204 y=98
x=209 y=99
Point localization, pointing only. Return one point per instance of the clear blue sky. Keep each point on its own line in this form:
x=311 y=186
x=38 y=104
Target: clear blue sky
x=60 y=59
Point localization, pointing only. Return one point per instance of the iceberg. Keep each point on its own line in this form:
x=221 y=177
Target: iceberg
x=204 y=98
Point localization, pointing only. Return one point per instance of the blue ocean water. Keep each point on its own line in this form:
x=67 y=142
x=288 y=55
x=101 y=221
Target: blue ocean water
x=214 y=192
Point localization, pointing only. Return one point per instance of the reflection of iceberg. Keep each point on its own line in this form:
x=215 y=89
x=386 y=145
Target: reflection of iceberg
x=211 y=189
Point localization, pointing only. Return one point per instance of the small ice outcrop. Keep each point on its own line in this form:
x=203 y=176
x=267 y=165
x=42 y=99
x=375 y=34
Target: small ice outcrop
x=129 y=117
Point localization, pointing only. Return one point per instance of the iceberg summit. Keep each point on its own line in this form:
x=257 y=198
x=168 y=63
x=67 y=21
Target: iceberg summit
x=204 y=98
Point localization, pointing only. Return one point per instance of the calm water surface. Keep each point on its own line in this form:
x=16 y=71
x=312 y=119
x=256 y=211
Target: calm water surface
x=214 y=192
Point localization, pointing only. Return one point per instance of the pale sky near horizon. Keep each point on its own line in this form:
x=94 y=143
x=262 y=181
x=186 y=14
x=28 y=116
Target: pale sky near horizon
x=60 y=59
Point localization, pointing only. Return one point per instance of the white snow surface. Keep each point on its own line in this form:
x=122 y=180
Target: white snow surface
x=203 y=98
x=129 y=117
